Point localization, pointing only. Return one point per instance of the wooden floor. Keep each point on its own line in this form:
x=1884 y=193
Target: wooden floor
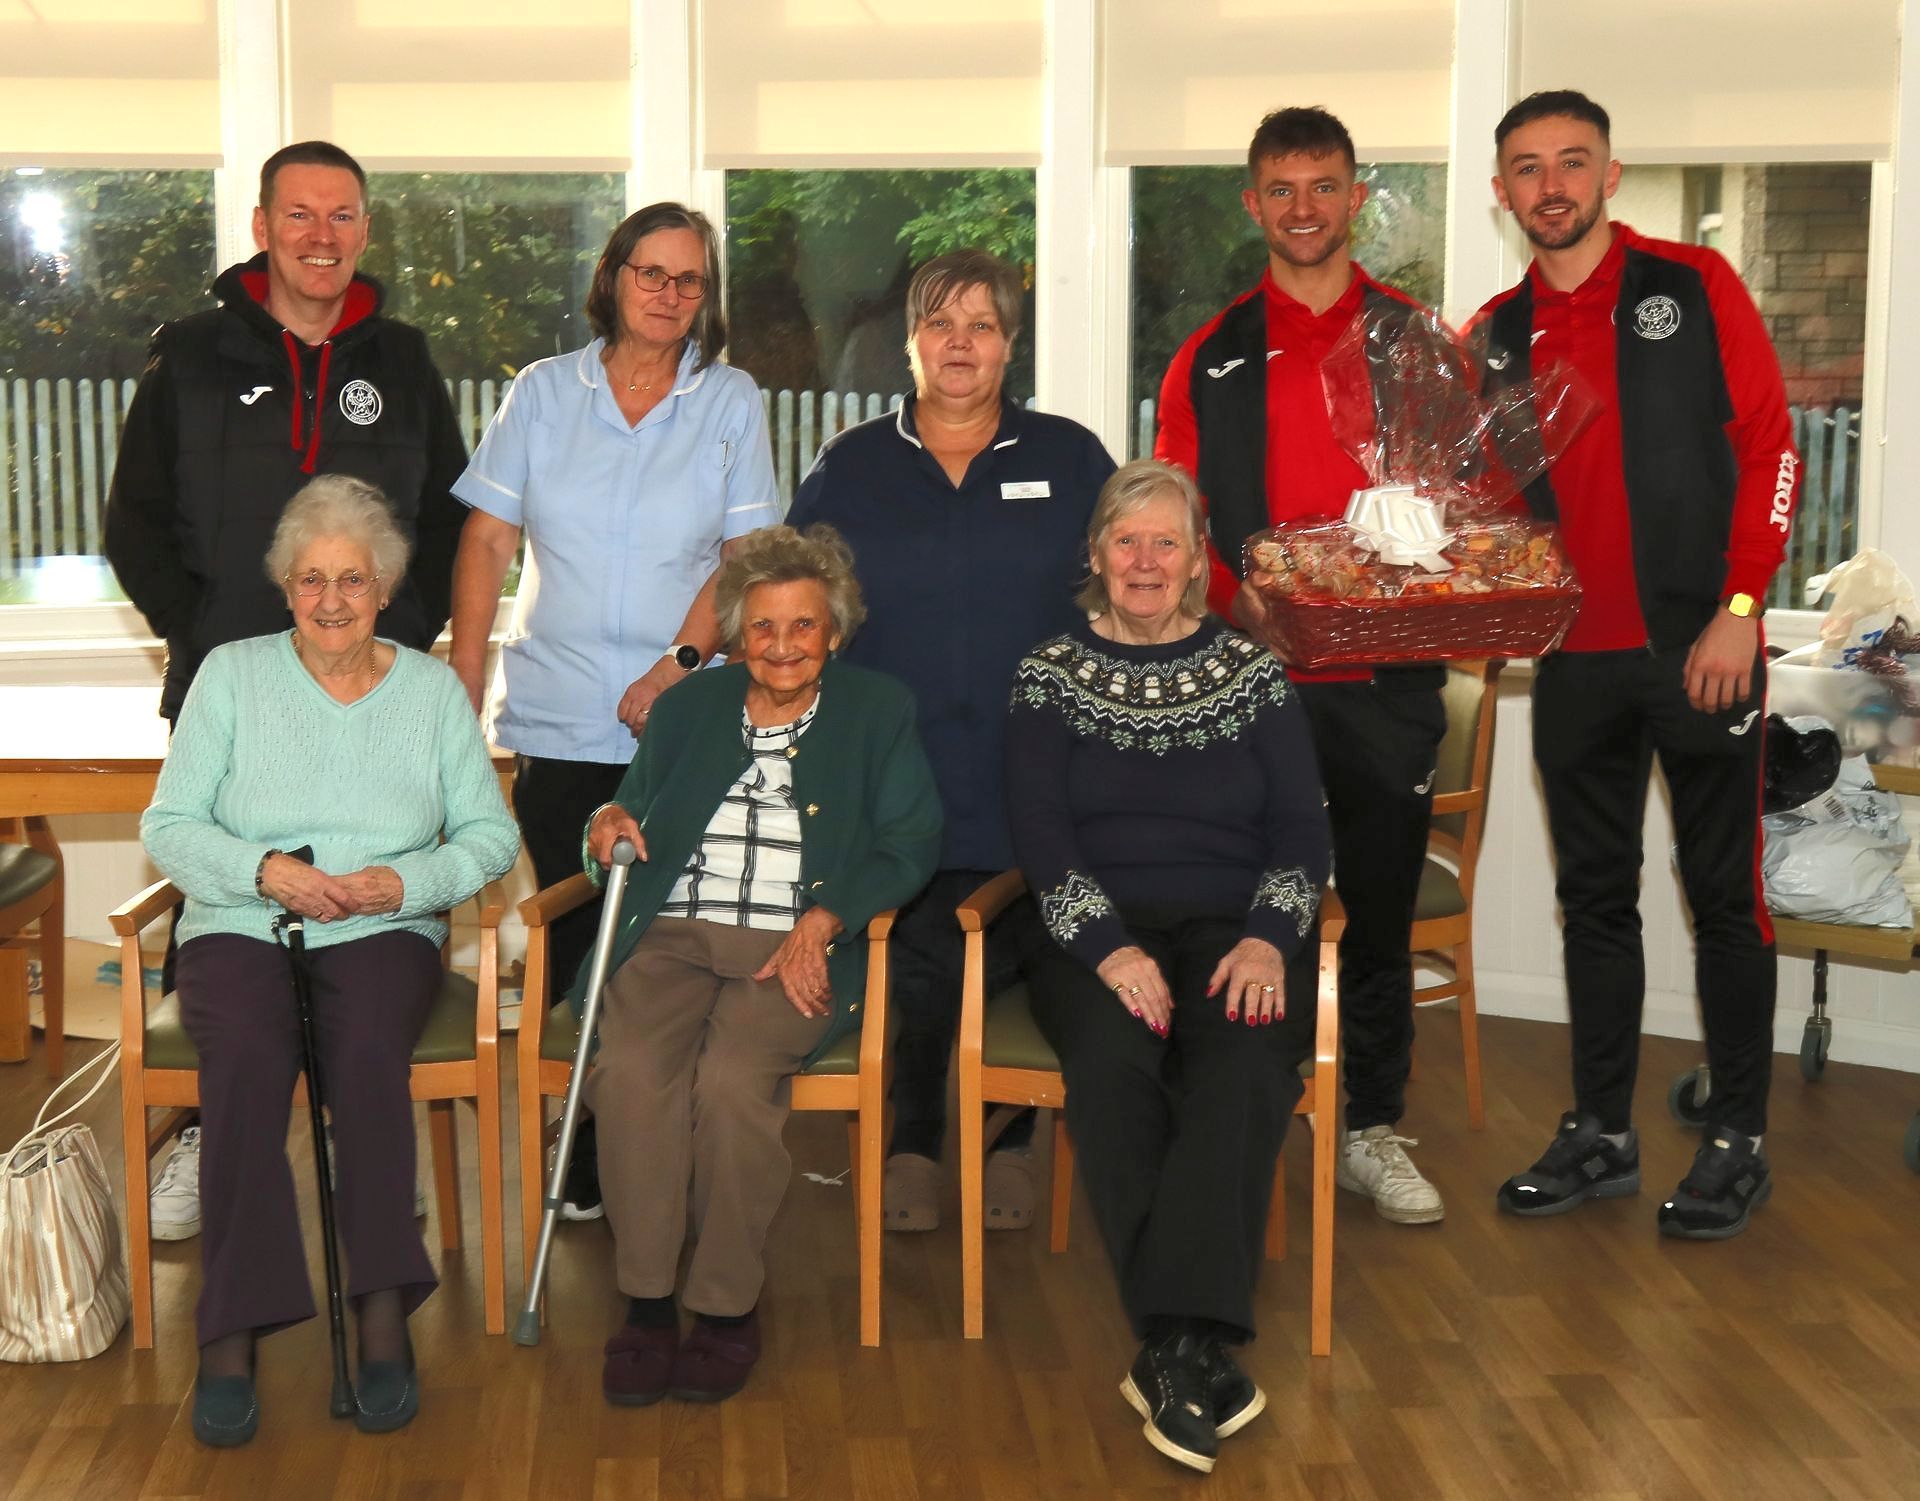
x=1482 y=1358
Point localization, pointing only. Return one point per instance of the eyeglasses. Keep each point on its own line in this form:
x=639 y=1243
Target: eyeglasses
x=313 y=583
x=691 y=284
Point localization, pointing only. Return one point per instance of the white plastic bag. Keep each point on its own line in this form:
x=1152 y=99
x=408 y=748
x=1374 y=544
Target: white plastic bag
x=1870 y=594
x=1837 y=858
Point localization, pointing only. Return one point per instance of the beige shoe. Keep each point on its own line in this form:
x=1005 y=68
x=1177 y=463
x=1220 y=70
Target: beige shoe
x=910 y=1193
x=1007 y=1187
x=1374 y=1162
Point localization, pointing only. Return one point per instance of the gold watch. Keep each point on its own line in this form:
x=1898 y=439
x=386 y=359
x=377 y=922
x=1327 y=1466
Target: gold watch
x=1743 y=605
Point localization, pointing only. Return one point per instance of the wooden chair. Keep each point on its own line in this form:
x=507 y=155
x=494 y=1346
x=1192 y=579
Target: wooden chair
x=1443 y=911
x=852 y=1076
x=457 y=1058
x=33 y=890
x=1004 y=1059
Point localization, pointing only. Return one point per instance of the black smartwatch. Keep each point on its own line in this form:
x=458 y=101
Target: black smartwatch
x=688 y=657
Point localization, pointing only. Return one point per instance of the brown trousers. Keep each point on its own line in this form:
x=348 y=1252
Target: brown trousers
x=692 y=1085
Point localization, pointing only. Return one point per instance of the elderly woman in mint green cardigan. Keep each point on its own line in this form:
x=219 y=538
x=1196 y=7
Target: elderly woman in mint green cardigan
x=778 y=804
x=366 y=754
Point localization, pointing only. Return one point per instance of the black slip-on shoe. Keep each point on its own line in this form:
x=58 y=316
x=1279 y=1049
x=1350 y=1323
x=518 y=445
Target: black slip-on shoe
x=1580 y=1163
x=226 y=1410
x=1168 y=1387
x=1729 y=1179
x=386 y=1396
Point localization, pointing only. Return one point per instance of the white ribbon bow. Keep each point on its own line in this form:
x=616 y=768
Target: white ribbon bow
x=1400 y=526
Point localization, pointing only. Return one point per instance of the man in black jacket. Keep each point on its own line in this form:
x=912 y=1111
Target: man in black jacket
x=296 y=373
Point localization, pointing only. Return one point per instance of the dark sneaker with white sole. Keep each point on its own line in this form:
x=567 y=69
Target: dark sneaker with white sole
x=1729 y=1179
x=1580 y=1163
x=1236 y=1399
x=1169 y=1387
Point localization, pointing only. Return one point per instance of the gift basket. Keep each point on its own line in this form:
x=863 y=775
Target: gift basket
x=1437 y=558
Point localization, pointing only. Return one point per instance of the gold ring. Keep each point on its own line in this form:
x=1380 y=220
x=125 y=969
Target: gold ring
x=1268 y=989
x=1133 y=990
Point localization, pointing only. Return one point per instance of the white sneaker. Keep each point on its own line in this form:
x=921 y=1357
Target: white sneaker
x=173 y=1205
x=1374 y=1162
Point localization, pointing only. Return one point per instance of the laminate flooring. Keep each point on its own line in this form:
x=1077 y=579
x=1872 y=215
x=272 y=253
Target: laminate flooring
x=1484 y=1358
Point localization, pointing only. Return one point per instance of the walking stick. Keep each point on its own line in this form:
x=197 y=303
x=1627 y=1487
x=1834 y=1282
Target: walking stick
x=526 y=1329
x=291 y=930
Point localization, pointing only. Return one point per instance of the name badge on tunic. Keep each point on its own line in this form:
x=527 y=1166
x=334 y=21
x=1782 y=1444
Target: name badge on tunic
x=1031 y=489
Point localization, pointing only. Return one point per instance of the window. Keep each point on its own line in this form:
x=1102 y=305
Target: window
x=817 y=271
x=1195 y=250
x=492 y=266
x=90 y=263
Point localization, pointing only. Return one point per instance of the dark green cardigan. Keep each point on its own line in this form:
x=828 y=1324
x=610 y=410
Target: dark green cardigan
x=869 y=812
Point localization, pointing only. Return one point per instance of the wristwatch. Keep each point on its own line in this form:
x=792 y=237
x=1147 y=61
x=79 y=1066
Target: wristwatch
x=1742 y=605
x=689 y=656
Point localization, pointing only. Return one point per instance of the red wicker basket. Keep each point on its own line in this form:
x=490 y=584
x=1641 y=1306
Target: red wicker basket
x=1319 y=632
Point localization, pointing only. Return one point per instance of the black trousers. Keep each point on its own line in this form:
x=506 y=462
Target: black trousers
x=1176 y=1137
x=370 y=1001
x=552 y=801
x=1377 y=742
x=1599 y=718
x=925 y=951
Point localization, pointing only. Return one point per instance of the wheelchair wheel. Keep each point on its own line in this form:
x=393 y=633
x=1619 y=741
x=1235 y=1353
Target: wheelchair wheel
x=1815 y=1041
x=1687 y=1100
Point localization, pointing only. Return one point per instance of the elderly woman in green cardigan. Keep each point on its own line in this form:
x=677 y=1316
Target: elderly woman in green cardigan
x=777 y=805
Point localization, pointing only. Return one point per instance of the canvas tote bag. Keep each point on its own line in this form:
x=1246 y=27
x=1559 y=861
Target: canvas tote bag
x=63 y=1274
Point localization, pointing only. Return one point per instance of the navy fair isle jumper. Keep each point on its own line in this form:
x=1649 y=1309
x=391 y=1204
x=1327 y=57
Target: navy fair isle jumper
x=1179 y=777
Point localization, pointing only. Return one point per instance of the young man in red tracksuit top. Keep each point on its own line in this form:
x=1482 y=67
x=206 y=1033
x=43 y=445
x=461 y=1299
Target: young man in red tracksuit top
x=1242 y=409
x=1674 y=504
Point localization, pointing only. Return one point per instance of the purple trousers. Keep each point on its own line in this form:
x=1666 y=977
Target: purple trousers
x=370 y=1003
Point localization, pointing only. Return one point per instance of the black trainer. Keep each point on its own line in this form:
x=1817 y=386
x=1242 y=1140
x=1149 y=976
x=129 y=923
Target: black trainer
x=1236 y=1399
x=1168 y=1386
x=1729 y=1179
x=580 y=1194
x=1579 y=1164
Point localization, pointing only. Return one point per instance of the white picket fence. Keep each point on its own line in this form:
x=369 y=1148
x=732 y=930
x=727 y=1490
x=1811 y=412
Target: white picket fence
x=59 y=439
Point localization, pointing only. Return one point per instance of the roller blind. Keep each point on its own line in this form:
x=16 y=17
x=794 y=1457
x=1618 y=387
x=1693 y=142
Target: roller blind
x=845 y=82
x=462 y=82
x=1718 y=80
x=109 y=79
x=1188 y=80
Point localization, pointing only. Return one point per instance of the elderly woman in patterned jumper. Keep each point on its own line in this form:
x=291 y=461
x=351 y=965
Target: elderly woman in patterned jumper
x=365 y=754
x=777 y=805
x=1166 y=810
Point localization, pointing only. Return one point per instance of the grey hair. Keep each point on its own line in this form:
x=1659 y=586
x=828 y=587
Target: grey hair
x=945 y=277
x=338 y=505
x=781 y=555
x=1128 y=490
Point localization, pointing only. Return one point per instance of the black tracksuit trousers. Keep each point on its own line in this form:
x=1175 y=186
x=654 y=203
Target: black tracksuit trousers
x=1377 y=741
x=1599 y=718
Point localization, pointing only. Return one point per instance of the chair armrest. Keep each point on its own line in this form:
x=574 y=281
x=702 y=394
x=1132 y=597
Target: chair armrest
x=873 y=1031
x=1333 y=916
x=989 y=901
x=134 y=914
x=493 y=905
x=557 y=901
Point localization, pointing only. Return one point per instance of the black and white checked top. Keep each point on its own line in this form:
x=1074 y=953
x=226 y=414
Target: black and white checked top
x=746 y=870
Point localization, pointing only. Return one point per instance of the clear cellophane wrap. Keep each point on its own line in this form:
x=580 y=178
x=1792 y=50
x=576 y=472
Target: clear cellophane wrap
x=1439 y=557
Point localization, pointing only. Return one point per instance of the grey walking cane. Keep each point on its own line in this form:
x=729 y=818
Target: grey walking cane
x=526 y=1329
x=291 y=929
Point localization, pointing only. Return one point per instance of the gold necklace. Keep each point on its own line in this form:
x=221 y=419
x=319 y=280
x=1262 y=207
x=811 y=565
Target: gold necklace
x=672 y=364
x=301 y=655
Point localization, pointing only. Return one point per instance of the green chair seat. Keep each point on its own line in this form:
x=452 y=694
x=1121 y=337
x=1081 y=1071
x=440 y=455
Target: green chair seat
x=1440 y=894
x=24 y=871
x=1011 y=1038
x=448 y=1037
x=560 y=1039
